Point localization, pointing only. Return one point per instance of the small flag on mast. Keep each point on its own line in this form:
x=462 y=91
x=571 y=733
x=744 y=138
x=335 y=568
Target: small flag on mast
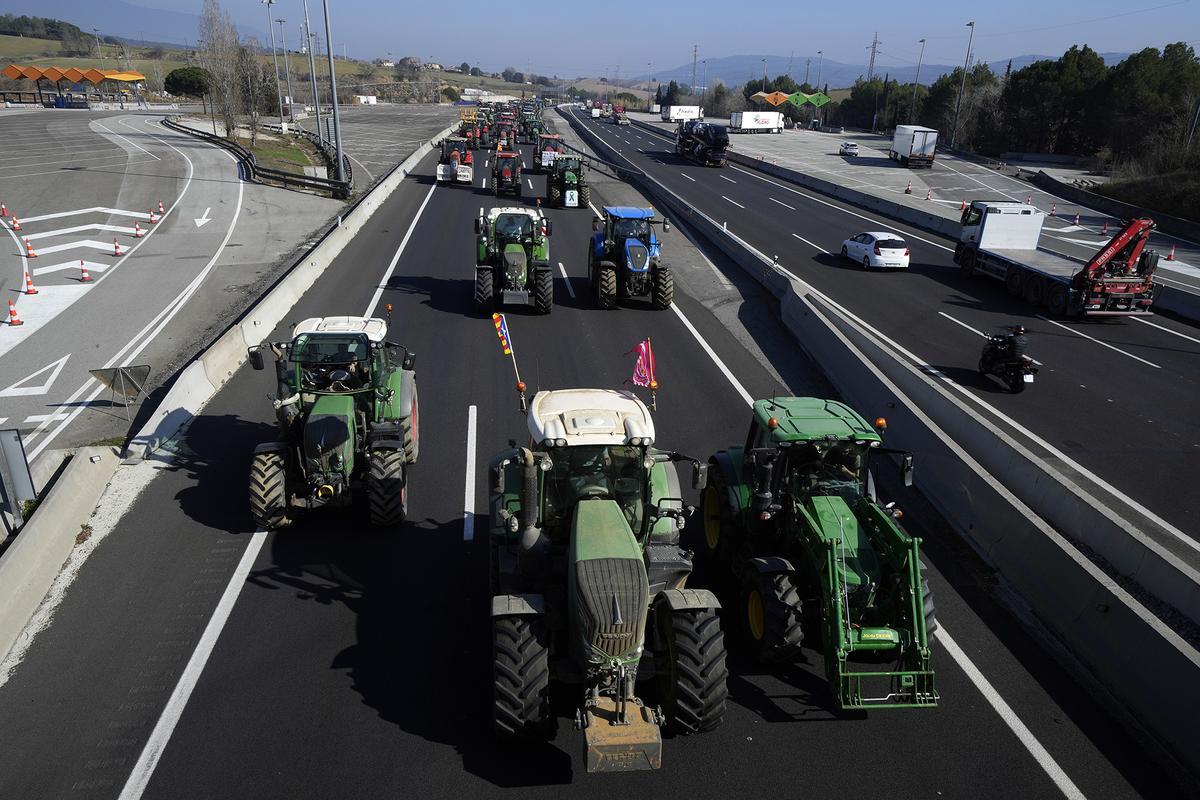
x=502 y=332
x=643 y=371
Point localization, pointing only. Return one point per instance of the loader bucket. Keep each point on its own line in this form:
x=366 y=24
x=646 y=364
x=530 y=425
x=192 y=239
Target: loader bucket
x=610 y=747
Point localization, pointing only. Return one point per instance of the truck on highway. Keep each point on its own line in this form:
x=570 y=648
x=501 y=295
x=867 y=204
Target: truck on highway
x=756 y=122
x=1000 y=240
x=703 y=141
x=913 y=146
x=680 y=113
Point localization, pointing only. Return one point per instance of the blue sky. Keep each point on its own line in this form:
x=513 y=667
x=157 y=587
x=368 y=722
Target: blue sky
x=586 y=38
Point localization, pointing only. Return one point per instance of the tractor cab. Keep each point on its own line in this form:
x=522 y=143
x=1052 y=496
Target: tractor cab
x=512 y=262
x=455 y=162
x=506 y=173
x=549 y=147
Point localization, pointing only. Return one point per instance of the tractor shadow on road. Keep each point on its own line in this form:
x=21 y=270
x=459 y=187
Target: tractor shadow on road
x=447 y=295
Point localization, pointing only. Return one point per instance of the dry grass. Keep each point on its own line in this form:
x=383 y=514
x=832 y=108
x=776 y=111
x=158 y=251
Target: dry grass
x=16 y=48
x=1175 y=193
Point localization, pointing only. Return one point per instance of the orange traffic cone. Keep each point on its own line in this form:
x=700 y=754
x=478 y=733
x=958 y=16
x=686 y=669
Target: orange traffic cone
x=1105 y=228
x=137 y=231
x=153 y=219
x=963 y=207
x=160 y=207
x=13 y=319
x=1171 y=255
x=29 y=250
x=83 y=273
x=116 y=248
x=929 y=194
x=1053 y=209
x=1029 y=200
x=29 y=287
x=16 y=224
x=3 y=210
x=908 y=189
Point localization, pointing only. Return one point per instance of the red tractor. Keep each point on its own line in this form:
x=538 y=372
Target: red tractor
x=506 y=173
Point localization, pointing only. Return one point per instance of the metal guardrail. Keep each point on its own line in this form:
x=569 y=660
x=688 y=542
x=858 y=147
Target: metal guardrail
x=622 y=173
x=339 y=189
x=327 y=150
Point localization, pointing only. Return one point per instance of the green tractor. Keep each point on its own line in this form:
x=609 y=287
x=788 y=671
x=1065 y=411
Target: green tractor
x=566 y=185
x=529 y=128
x=792 y=517
x=347 y=411
x=589 y=583
x=512 y=263
x=624 y=258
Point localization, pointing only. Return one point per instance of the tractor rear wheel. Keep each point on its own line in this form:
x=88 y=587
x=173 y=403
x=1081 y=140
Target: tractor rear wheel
x=555 y=198
x=268 y=491
x=662 y=287
x=585 y=196
x=718 y=530
x=691 y=669
x=771 y=615
x=410 y=428
x=606 y=286
x=930 y=609
x=387 y=487
x=521 y=679
x=543 y=291
x=484 y=290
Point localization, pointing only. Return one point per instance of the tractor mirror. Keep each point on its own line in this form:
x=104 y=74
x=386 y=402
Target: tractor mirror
x=699 y=476
x=498 y=479
x=409 y=362
x=256 y=359
x=549 y=228
x=906 y=469
x=595 y=223
x=666 y=226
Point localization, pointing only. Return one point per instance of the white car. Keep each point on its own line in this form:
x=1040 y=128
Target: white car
x=877 y=249
x=848 y=149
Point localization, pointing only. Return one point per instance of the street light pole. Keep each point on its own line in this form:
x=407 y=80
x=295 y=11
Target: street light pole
x=275 y=57
x=764 y=63
x=962 y=86
x=704 y=84
x=820 y=62
x=312 y=72
x=337 y=117
x=912 y=104
x=287 y=65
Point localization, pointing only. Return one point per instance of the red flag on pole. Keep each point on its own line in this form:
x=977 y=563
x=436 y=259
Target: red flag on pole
x=643 y=370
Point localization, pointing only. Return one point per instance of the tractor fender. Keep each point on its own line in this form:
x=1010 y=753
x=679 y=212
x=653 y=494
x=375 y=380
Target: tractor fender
x=729 y=463
x=518 y=605
x=770 y=565
x=541 y=266
x=688 y=599
x=387 y=444
x=271 y=447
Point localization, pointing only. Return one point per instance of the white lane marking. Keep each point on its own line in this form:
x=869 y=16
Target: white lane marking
x=530 y=182
x=811 y=244
x=105 y=247
x=836 y=207
x=731 y=180
x=387 y=275
x=73 y=264
x=17 y=390
x=566 y=280
x=1168 y=330
x=94 y=209
x=640 y=150
x=469 y=491
x=57 y=415
x=481 y=211
x=977 y=332
x=485 y=183
x=735 y=202
x=715 y=358
x=204 y=218
x=124 y=139
x=1014 y=723
x=486 y=161
x=689 y=177
x=1097 y=341
x=595 y=210
x=143 y=770
x=77 y=228
x=780 y=202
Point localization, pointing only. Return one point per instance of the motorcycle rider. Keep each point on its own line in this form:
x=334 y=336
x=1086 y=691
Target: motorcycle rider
x=1011 y=346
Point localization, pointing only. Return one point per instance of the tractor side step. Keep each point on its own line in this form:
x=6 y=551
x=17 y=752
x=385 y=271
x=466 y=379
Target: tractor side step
x=610 y=747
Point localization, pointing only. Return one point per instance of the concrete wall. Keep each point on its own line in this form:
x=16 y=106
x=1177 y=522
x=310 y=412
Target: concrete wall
x=1175 y=226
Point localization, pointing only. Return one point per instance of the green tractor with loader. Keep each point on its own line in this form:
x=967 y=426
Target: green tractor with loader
x=791 y=518
x=589 y=584
x=566 y=183
x=347 y=410
x=512 y=261
x=625 y=258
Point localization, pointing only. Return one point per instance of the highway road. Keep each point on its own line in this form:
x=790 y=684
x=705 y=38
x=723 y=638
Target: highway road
x=1114 y=398
x=77 y=181
x=195 y=657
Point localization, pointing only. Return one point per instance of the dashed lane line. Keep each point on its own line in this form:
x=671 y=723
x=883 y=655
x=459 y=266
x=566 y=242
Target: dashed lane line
x=1097 y=341
x=566 y=280
x=735 y=202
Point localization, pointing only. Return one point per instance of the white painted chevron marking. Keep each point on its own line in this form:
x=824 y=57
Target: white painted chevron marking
x=93 y=210
x=93 y=266
x=106 y=247
x=36 y=311
x=76 y=229
x=19 y=390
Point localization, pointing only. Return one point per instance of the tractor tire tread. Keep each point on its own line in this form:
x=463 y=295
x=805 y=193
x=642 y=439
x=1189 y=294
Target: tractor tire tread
x=268 y=491
x=662 y=289
x=606 y=289
x=485 y=296
x=521 y=679
x=386 y=487
x=696 y=690
x=543 y=291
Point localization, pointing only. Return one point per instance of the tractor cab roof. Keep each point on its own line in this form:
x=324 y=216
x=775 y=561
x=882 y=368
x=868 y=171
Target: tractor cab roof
x=505 y=154
x=628 y=212
x=374 y=328
x=806 y=419
x=455 y=139
x=525 y=212
x=555 y=136
x=590 y=417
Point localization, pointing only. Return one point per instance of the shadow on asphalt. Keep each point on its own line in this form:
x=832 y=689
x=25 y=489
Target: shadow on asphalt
x=216 y=454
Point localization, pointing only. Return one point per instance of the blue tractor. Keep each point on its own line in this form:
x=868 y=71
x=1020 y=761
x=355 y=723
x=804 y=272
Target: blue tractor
x=624 y=258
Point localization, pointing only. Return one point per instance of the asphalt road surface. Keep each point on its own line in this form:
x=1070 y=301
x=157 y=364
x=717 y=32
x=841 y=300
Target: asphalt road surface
x=349 y=663
x=1115 y=397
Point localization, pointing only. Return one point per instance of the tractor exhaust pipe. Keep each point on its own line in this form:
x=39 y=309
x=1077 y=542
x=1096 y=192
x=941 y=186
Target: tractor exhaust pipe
x=534 y=542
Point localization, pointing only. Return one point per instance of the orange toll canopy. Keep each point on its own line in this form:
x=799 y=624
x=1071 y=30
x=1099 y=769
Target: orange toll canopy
x=72 y=74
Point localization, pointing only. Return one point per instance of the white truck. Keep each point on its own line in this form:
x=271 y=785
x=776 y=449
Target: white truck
x=756 y=122
x=595 y=113
x=680 y=113
x=1000 y=240
x=913 y=146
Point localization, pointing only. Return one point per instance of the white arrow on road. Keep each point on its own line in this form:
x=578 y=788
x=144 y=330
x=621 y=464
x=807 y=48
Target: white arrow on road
x=204 y=220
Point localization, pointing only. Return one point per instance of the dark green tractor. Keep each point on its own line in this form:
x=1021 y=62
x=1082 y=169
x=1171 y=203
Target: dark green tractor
x=566 y=185
x=625 y=258
x=512 y=261
x=793 y=519
x=589 y=583
x=347 y=411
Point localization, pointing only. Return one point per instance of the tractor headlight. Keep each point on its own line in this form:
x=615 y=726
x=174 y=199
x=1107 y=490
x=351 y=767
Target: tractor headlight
x=560 y=442
x=548 y=442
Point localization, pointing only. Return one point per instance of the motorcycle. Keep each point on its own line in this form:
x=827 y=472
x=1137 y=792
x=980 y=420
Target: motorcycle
x=1004 y=356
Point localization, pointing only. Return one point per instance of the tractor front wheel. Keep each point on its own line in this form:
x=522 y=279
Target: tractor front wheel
x=662 y=287
x=268 y=491
x=521 y=679
x=543 y=291
x=585 y=196
x=692 y=670
x=927 y=604
x=410 y=429
x=387 y=488
x=484 y=290
x=771 y=615
x=606 y=286
x=555 y=198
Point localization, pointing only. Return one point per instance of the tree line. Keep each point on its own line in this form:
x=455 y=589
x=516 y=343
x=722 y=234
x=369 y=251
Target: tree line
x=74 y=41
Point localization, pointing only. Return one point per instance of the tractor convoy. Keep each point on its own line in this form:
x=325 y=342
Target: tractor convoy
x=591 y=572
